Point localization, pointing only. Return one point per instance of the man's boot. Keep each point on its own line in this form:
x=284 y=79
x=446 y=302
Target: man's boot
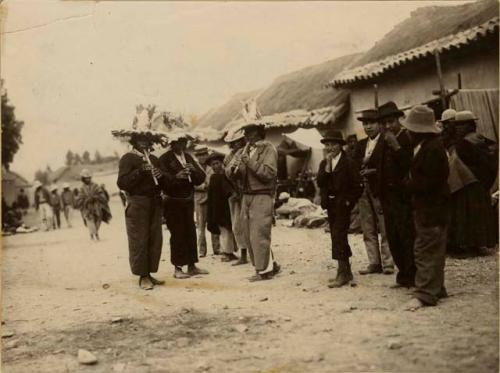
x=243 y=258
x=343 y=276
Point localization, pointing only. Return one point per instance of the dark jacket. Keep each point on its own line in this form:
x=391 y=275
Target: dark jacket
x=42 y=191
x=397 y=164
x=344 y=183
x=218 y=213
x=179 y=188
x=376 y=161
x=428 y=183
x=133 y=179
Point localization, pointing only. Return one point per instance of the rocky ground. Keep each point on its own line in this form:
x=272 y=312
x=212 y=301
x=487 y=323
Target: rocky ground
x=62 y=293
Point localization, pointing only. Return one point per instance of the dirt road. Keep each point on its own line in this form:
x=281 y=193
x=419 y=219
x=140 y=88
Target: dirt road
x=62 y=292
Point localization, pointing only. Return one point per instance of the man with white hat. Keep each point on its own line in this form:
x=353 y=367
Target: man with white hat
x=257 y=169
x=42 y=204
x=55 y=202
x=236 y=141
x=67 y=201
x=428 y=185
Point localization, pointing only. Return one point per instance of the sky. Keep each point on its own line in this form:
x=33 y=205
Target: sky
x=74 y=70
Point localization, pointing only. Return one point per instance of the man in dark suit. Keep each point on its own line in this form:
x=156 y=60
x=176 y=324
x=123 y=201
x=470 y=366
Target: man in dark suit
x=370 y=157
x=340 y=185
x=396 y=201
x=428 y=184
x=182 y=173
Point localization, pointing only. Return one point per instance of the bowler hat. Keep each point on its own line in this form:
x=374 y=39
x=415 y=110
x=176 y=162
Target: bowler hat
x=389 y=109
x=333 y=136
x=464 y=116
x=421 y=119
x=215 y=156
x=368 y=115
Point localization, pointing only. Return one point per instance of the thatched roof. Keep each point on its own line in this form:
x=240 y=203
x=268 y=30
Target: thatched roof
x=303 y=90
x=429 y=28
x=218 y=117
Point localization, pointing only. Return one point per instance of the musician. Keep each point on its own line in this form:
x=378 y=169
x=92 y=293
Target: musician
x=143 y=210
x=258 y=163
x=182 y=173
x=236 y=142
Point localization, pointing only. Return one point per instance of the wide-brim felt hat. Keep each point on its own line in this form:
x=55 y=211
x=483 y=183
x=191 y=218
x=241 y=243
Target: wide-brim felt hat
x=215 y=156
x=388 y=110
x=368 y=115
x=333 y=136
x=421 y=119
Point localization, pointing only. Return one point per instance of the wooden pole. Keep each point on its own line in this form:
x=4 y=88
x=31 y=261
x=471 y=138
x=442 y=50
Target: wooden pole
x=459 y=81
x=375 y=92
x=442 y=91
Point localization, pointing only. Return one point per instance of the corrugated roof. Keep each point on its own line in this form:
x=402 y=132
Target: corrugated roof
x=447 y=43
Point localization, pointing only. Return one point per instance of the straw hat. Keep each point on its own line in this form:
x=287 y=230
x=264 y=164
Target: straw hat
x=200 y=150
x=53 y=187
x=283 y=196
x=65 y=185
x=421 y=119
x=448 y=115
x=37 y=184
x=464 y=116
x=85 y=173
x=233 y=136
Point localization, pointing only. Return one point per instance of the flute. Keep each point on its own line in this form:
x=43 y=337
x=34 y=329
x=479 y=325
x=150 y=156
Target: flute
x=237 y=162
x=146 y=155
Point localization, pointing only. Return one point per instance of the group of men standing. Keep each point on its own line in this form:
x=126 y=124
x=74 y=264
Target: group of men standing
x=239 y=203
x=399 y=178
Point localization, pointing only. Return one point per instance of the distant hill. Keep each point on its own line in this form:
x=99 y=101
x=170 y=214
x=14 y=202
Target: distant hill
x=301 y=89
x=427 y=24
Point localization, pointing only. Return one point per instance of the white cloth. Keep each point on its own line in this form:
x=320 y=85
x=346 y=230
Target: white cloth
x=335 y=161
x=370 y=146
x=181 y=158
x=417 y=149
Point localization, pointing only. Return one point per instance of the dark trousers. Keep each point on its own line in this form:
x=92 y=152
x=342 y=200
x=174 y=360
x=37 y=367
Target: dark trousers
x=430 y=251
x=179 y=216
x=400 y=233
x=57 y=218
x=143 y=222
x=339 y=218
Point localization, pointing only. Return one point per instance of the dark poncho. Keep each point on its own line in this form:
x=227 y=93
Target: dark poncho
x=218 y=214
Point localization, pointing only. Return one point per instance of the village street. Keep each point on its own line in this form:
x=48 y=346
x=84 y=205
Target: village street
x=62 y=292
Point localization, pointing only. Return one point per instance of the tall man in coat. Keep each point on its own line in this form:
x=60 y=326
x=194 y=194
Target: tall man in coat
x=371 y=153
x=236 y=142
x=428 y=184
x=182 y=173
x=258 y=163
x=396 y=201
x=340 y=186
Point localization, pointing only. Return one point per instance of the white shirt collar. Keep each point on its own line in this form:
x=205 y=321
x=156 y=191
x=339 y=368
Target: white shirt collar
x=181 y=158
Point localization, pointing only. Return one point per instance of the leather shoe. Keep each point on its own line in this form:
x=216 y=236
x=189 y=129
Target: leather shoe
x=180 y=275
x=240 y=262
x=197 y=271
x=259 y=277
x=155 y=281
x=372 y=268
